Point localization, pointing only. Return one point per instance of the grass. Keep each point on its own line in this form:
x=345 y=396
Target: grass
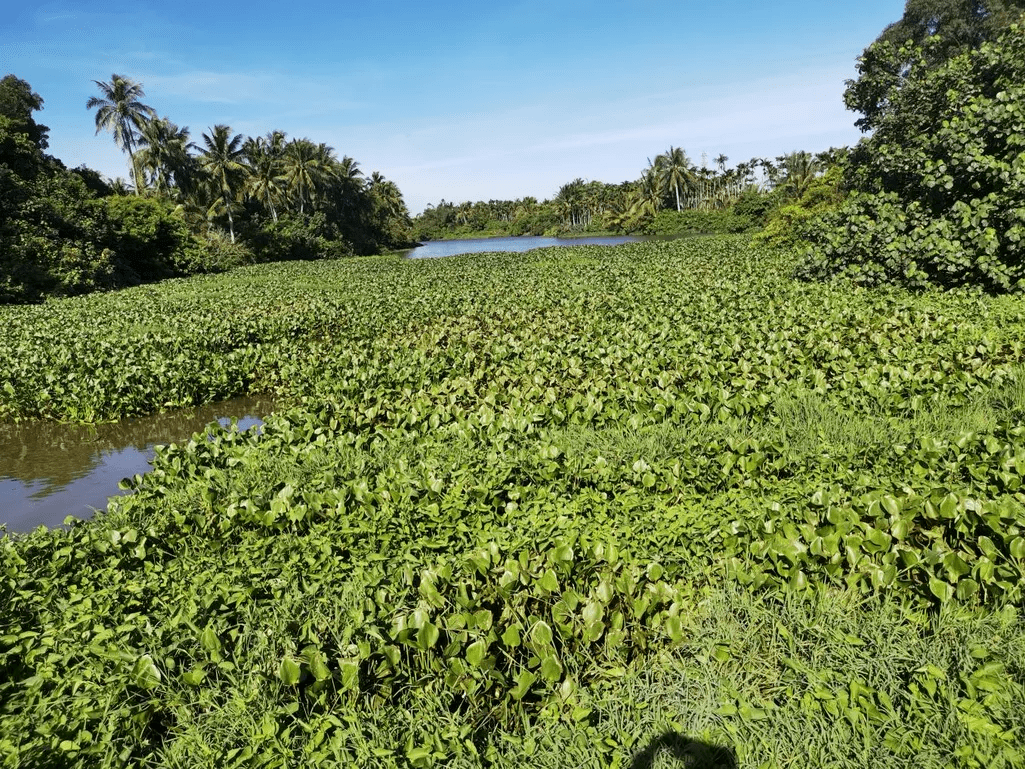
x=662 y=441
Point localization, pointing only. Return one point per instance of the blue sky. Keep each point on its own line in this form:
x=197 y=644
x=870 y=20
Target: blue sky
x=461 y=100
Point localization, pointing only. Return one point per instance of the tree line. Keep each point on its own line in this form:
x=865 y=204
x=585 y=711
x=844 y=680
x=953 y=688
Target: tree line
x=227 y=179
x=700 y=198
x=189 y=206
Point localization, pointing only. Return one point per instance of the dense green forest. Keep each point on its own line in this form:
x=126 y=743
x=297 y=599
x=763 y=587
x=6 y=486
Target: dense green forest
x=673 y=196
x=740 y=501
x=191 y=206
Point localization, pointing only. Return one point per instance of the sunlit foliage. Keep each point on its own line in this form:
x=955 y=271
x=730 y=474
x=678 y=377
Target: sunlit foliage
x=527 y=509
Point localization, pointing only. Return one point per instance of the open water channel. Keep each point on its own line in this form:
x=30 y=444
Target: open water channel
x=50 y=471
x=436 y=248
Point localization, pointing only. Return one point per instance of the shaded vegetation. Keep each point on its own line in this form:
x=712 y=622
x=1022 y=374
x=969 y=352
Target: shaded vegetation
x=235 y=201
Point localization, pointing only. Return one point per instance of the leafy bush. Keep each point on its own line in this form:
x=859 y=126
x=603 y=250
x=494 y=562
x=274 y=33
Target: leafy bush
x=297 y=237
x=790 y=225
x=145 y=235
x=939 y=188
x=691 y=222
x=757 y=205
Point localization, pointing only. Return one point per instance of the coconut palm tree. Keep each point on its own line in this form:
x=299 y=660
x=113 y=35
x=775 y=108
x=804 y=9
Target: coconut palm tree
x=164 y=153
x=120 y=187
x=119 y=111
x=674 y=171
x=647 y=197
x=306 y=169
x=265 y=158
x=389 y=198
x=799 y=169
x=349 y=168
x=221 y=159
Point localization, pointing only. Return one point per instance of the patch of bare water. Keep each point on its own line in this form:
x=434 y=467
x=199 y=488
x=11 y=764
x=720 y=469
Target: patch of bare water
x=49 y=471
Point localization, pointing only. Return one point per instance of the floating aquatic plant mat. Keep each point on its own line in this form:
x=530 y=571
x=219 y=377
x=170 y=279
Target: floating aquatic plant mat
x=590 y=506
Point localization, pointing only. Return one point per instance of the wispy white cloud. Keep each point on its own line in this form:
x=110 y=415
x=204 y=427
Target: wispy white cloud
x=218 y=87
x=504 y=102
x=534 y=151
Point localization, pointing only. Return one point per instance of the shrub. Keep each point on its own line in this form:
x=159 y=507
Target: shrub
x=297 y=237
x=691 y=222
x=757 y=205
x=789 y=225
x=939 y=189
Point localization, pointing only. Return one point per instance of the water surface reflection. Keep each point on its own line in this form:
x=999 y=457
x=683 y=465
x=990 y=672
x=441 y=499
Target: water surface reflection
x=49 y=471
x=433 y=249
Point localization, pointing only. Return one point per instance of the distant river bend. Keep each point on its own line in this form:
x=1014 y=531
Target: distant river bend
x=433 y=249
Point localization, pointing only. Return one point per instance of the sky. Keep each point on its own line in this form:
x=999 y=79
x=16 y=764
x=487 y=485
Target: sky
x=460 y=100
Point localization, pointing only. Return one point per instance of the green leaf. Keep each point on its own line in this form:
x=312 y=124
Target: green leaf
x=593 y=612
x=948 y=507
x=955 y=566
x=942 y=590
x=551 y=668
x=477 y=652
x=144 y=673
x=674 y=628
x=1017 y=548
x=208 y=640
x=541 y=635
x=349 y=675
x=524 y=679
x=511 y=636
x=427 y=636
x=418 y=754
x=967 y=588
x=549 y=582
x=563 y=553
x=288 y=672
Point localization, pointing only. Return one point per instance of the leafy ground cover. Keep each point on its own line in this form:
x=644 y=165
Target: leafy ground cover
x=575 y=507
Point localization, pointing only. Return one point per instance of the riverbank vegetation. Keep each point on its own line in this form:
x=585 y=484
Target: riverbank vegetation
x=531 y=508
x=671 y=197
x=741 y=500
x=192 y=207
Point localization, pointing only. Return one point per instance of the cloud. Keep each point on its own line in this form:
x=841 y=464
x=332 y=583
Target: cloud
x=219 y=87
x=534 y=150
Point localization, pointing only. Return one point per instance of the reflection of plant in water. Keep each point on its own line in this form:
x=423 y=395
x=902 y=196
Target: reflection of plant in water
x=48 y=456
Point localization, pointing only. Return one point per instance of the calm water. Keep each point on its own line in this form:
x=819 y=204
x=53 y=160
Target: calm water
x=49 y=471
x=435 y=248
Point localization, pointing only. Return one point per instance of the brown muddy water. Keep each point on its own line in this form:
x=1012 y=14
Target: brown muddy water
x=50 y=471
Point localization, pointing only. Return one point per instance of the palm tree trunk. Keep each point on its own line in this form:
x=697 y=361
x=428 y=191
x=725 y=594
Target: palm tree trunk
x=135 y=167
x=231 y=221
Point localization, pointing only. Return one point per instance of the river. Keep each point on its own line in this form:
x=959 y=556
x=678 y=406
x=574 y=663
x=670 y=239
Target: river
x=436 y=248
x=49 y=471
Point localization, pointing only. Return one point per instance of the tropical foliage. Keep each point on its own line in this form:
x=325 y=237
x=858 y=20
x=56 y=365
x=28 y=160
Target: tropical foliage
x=671 y=182
x=229 y=200
x=951 y=28
x=575 y=506
x=63 y=232
x=939 y=190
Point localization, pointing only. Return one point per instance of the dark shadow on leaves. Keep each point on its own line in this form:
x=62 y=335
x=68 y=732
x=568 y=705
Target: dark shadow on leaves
x=678 y=752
